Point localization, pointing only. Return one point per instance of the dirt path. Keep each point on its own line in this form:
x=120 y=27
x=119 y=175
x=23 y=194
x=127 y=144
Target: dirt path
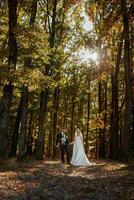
x=49 y=180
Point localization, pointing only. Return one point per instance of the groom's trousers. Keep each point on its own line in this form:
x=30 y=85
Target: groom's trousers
x=64 y=150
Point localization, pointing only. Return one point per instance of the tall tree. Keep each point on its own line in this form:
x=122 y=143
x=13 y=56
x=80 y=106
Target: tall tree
x=128 y=91
x=45 y=91
x=15 y=134
x=114 y=147
x=8 y=88
x=24 y=106
x=88 y=111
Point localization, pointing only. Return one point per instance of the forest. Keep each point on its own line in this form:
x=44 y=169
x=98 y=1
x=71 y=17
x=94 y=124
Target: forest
x=66 y=64
x=45 y=83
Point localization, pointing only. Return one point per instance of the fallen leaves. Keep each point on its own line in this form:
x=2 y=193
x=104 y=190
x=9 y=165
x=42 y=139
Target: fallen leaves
x=50 y=180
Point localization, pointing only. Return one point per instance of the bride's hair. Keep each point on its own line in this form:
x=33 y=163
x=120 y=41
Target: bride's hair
x=78 y=131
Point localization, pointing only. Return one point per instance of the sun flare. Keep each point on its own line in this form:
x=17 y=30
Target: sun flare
x=86 y=55
x=94 y=56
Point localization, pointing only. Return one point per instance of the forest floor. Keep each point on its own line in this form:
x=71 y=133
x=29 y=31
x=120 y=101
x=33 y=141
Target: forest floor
x=50 y=180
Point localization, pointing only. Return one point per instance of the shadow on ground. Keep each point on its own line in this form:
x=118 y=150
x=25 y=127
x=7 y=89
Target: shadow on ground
x=39 y=180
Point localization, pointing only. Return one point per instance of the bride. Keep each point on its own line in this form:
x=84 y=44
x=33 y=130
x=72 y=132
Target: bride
x=79 y=157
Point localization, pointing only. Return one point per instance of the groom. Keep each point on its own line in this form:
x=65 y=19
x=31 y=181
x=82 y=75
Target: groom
x=62 y=139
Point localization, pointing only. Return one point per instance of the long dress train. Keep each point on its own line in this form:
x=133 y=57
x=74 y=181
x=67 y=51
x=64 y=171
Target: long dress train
x=79 y=157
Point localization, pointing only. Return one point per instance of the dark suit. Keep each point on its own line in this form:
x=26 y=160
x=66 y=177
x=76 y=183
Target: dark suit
x=63 y=146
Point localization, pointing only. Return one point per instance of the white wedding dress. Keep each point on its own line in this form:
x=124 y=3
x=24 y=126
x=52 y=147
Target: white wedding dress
x=79 y=157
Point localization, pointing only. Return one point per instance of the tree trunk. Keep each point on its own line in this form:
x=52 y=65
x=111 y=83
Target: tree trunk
x=12 y=42
x=15 y=135
x=88 y=115
x=50 y=137
x=65 y=108
x=105 y=145
x=4 y=117
x=101 y=133
x=132 y=70
x=88 y=118
x=55 y=114
x=128 y=104
x=24 y=111
x=8 y=89
x=23 y=126
x=72 y=115
x=115 y=108
x=30 y=136
x=42 y=114
x=33 y=13
x=111 y=119
x=45 y=92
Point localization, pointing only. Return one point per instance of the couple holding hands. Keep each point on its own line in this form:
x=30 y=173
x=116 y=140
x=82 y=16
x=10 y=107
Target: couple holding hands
x=78 y=157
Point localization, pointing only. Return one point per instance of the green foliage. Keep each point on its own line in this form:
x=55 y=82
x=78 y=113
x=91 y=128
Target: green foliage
x=74 y=78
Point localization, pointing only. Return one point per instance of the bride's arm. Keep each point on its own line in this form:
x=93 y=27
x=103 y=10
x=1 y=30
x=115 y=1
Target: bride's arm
x=72 y=142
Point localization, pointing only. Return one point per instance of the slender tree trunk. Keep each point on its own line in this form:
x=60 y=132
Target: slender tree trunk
x=72 y=115
x=88 y=115
x=55 y=114
x=23 y=126
x=33 y=13
x=42 y=114
x=111 y=119
x=105 y=145
x=128 y=106
x=35 y=126
x=4 y=117
x=102 y=104
x=24 y=111
x=115 y=108
x=65 y=108
x=29 y=145
x=50 y=137
x=81 y=107
x=121 y=140
x=45 y=92
x=88 y=118
x=101 y=133
x=15 y=135
x=12 y=42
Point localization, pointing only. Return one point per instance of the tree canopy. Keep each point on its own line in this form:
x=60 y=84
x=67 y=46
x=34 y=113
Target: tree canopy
x=66 y=63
